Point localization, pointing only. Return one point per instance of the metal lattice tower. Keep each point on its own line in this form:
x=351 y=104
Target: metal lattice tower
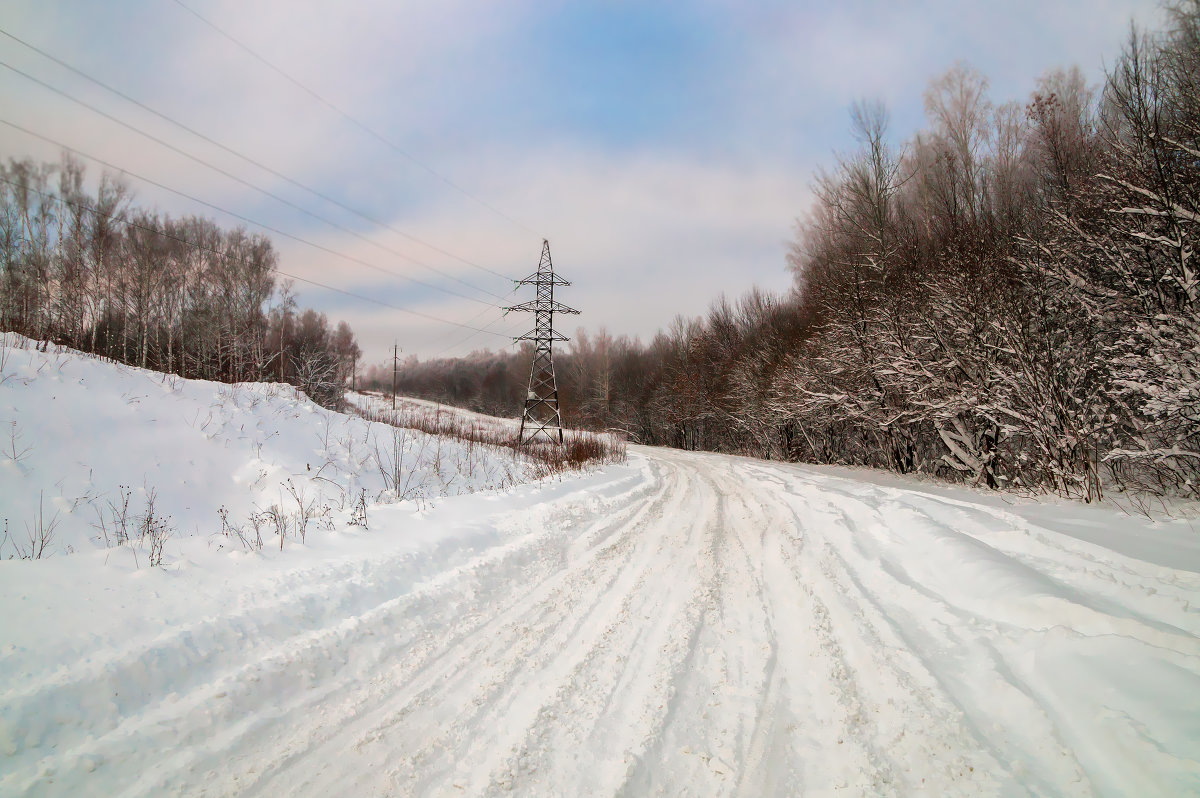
x=541 y=419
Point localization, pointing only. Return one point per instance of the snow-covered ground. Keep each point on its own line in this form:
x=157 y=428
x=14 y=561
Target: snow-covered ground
x=683 y=624
x=411 y=406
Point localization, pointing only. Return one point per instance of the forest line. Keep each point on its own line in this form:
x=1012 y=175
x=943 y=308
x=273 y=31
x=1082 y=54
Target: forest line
x=183 y=295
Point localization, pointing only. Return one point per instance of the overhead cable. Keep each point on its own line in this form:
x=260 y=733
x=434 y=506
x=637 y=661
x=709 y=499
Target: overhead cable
x=345 y=115
x=234 y=214
x=263 y=191
x=224 y=255
x=248 y=159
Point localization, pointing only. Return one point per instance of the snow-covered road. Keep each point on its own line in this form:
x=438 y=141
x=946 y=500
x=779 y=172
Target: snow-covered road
x=688 y=624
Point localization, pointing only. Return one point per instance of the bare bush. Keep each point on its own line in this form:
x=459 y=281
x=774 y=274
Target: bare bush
x=120 y=525
x=304 y=510
x=580 y=449
x=278 y=520
x=5 y=354
x=16 y=450
x=358 y=516
x=256 y=522
x=115 y=527
x=235 y=531
x=39 y=535
x=154 y=529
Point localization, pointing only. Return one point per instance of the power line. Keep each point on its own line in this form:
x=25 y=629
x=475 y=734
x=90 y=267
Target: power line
x=263 y=191
x=360 y=125
x=233 y=214
x=224 y=255
x=248 y=159
x=542 y=417
x=502 y=333
x=486 y=328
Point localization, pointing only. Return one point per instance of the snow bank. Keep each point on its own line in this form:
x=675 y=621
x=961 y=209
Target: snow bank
x=93 y=452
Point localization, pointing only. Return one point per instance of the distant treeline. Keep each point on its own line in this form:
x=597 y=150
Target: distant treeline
x=94 y=272
x=1010 y=298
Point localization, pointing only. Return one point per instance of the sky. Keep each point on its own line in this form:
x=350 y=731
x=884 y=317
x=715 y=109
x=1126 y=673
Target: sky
x=666 y=150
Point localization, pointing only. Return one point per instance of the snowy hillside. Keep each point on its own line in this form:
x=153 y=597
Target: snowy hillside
x=101 y=452
x=409 y=406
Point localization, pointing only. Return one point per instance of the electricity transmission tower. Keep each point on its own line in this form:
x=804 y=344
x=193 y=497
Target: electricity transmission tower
x=541 y=419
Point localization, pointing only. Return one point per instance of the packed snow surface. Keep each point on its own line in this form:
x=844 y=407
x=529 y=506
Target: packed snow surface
x=683 y=624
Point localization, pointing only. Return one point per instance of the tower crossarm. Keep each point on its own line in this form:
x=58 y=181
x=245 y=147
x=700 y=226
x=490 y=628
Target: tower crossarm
x=535 y=336
x=544 y=306
x=538 y=278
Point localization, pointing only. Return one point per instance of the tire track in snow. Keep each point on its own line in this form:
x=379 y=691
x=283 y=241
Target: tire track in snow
x=898 y=624
x=596 y=595
x=495 y=623
x=469 y=672
x=1052 y=749
x=723 y=698
x=236 y=694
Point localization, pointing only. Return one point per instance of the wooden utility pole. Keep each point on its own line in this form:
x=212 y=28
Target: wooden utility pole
x=282 y=330
x=395 y=364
